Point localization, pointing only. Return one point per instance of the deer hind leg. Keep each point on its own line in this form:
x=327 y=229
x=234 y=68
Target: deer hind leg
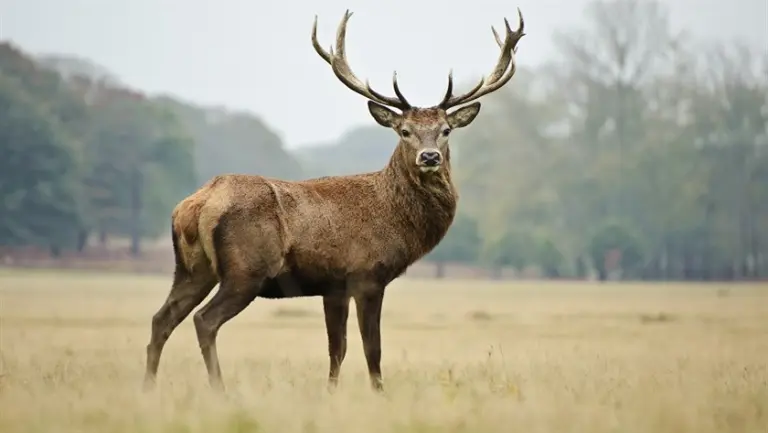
x=336 y=308
x=247 y=256
x=232 y=298
x=368 y=306
x=188 y=291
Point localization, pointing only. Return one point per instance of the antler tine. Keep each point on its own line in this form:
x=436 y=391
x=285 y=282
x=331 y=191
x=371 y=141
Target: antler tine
x=498 y=76
x=444 y=104
x=505 y=56
x=498 y=39
x=324 y=54
x=340 y=67
x=399 y=94
x=401 y=98
x=449 y=90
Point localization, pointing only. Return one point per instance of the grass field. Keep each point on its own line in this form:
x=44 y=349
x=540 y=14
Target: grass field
x=458 y=356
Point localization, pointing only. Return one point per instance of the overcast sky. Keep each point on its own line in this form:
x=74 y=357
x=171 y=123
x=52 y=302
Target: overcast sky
x=259 y=58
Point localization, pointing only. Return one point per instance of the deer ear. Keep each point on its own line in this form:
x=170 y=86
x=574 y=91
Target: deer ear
x=383 y=115
x=463 y=116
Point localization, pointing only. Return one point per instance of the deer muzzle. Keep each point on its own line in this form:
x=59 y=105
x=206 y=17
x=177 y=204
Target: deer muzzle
x=429 y=160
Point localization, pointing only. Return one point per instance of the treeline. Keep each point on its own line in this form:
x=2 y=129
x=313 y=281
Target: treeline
x=358 y=150
x=83 y=158
x=638 y=153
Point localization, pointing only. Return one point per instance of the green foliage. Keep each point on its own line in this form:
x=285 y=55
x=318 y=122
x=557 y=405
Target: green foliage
x=361 y=149
x=517 y=249
x=615 y=236
x=141 y=164
x=520 y=248
x=550 y=258
x=84 y=156
x=460 y=244
x=643 y=127
x=632 y=138
x=232 y=142
x=38 y=192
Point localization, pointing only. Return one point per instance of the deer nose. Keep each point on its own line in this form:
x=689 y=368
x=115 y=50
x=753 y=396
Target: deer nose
x=430 y=158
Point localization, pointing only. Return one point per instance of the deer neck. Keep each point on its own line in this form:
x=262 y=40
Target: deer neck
x=425 y=202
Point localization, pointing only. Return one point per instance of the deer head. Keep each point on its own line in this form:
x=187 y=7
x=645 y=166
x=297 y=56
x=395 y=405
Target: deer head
x=423 y=131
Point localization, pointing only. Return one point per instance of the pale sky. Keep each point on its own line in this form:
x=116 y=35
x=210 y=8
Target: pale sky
x=257 y=56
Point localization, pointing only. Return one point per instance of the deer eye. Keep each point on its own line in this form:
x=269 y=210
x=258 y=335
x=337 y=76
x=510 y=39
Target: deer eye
x=446 y=131
x=405 y=133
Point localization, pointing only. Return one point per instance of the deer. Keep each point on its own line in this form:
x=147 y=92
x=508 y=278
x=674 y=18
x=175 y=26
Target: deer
x=335 y=237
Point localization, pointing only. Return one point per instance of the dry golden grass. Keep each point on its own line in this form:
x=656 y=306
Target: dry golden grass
x=459 y=356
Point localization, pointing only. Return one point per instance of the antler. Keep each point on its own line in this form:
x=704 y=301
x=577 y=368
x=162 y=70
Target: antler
x=498 y=77
x=338 y=62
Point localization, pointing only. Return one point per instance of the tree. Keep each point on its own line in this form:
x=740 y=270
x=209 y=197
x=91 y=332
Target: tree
x=549 y=258
x=517 y=249
x=38 y=191
x=460 y=244
x=228 y=141
x=633 y=123
x=361 y=149
x=607 y=72
x=141 y=163
x=615 y=242
x=101 y=157
x=731 y=119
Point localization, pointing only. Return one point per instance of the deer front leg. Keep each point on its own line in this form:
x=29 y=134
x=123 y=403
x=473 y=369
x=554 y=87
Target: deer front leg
x=336 y=308
x=368 y=306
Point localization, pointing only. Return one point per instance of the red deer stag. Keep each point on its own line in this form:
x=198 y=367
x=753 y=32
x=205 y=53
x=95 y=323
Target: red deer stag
x=339 y=237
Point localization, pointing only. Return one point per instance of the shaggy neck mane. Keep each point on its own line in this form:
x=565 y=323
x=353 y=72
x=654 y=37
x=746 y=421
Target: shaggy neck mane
x=425 y=203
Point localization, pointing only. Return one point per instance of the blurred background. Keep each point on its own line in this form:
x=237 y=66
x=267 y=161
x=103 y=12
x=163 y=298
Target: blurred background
x=631 y=144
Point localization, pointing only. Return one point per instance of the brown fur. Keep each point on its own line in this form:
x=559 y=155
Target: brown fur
x=339 y=237
x=185 y=218
x=186 y=215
